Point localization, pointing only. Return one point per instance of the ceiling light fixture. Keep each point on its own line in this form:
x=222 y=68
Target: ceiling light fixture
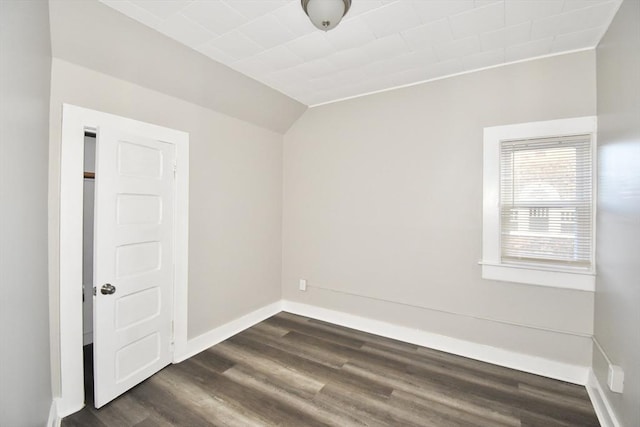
x=326 y=14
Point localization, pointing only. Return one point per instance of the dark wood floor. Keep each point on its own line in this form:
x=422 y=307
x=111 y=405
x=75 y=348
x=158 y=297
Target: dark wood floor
x=294 y=371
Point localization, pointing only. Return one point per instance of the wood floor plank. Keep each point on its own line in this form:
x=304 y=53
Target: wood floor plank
x=308 y=329
x=212 y=408
x=294 y=371
x=123 y=411
x=376 y=407
x=319 y=372
x=350 y=353
x=269 y=330
x=244 y=401
x=213 y=361
x=522 y=377
x=320 y=413
x=468 y=374
x=318 y=355
x=268 y=408
x=457 y=363
x=568 y=401
x=160 y=401
x=531 y=419
x=153 y=420
x=439 y=414
x=305 y=383
x=348 y=410
x=83 y=418
x=434 y=393
x=364 y=336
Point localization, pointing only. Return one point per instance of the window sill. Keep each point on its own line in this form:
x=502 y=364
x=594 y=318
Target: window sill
x=539 y=276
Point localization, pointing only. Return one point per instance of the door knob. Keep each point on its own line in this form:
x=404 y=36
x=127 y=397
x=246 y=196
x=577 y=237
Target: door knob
x=107 y=289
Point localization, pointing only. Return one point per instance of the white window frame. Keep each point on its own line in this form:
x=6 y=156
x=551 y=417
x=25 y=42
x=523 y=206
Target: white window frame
x=528 y=273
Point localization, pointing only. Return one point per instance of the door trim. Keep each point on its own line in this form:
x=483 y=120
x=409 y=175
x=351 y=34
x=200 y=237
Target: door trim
x=75 y=121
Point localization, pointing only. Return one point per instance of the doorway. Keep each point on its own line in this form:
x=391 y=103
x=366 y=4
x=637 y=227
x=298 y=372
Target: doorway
x=76 y=123
x=88 y=193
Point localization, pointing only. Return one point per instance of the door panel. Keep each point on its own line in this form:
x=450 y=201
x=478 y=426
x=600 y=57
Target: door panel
x=139 y=209
x=133 y=252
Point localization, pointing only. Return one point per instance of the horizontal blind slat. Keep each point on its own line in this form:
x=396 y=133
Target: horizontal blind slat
x=546 y=200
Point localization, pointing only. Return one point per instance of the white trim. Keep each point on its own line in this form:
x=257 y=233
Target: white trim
x=221 y=333
x=74 y=123
x=604 y=410
x=54 y=420
x=536 y=365
x=181 y=248
x=539 y=277
x=492 y=267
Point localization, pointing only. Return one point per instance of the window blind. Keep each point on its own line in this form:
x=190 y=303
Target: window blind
x=546 y=193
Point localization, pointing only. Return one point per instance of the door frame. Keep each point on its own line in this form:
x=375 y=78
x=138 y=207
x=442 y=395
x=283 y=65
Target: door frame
x=75 y=121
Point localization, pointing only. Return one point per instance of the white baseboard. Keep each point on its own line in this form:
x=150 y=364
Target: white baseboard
x=54 y=418
x=536 y=365
x=523 y=362
x=603 y=408
x=66 y=407
x=221 y=333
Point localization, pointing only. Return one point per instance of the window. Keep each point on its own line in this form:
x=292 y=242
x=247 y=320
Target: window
x=538 y=218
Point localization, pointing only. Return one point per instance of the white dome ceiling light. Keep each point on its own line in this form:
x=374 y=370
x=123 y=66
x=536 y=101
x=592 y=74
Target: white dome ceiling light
x=326 y=14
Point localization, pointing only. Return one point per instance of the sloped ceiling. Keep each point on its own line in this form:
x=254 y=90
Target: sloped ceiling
x=90 y=34
x=380 y=44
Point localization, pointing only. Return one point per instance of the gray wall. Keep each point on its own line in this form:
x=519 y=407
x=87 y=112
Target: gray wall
x=25 y=65
x=383 y=208
x=617 y=302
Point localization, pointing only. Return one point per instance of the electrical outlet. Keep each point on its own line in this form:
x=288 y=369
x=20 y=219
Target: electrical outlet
x=303 y=285
x=615 y=379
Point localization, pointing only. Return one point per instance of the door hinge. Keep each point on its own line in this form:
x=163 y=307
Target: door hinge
x=94 y=291
x=175 y=169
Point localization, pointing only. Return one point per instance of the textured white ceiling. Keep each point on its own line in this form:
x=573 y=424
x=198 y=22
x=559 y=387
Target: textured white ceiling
x=380 y=44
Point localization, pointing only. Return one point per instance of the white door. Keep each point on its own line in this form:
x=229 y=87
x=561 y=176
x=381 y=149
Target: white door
x=133 y=260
